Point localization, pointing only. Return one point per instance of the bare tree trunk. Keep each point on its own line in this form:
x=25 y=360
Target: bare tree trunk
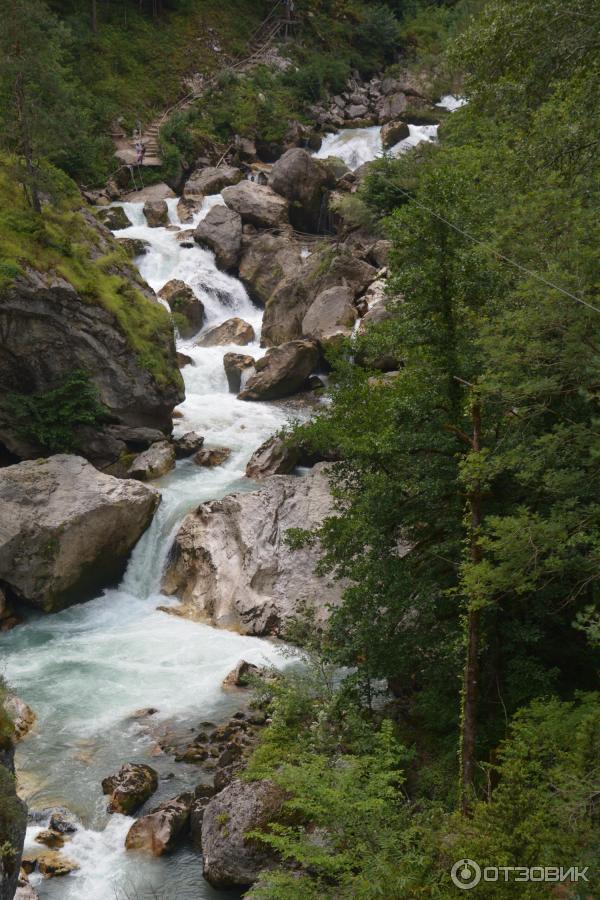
x=470 y=691
x=26 y=148
x=94 y=15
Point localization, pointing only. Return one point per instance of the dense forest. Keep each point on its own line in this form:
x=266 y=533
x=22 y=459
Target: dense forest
x=448 y=709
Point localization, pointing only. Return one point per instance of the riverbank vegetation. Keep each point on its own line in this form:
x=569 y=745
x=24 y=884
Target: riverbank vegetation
x=468 y=504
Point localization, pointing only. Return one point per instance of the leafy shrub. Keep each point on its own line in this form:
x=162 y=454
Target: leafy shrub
x=318 y=74
x=50 y=417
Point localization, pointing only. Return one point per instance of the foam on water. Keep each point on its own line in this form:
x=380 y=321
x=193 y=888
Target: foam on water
x=356 y=146
x=452 y=103
x=87 y=669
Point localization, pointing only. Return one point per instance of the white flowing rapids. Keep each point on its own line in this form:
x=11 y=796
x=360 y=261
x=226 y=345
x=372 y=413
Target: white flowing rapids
x=356 y=146
x=86 y=670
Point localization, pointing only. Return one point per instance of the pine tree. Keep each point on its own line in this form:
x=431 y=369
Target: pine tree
x=38 y=107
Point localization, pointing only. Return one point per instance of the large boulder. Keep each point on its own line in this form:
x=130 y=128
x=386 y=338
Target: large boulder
x=232 y=331
x=210 y=180
x=114 y=217
x=393 y=133
x=130 y=787
x=185 y=306
x=188 y=444
x=392 y=107
x=221 y=232
x=235 y=364
x=124 y=342
x=212 y=456
x=230 y=859
x=66 y=529
x=279 y=273
x=303 y=180
x=160 y=831
x=156 y=213
x=272 y=268
x=274 y=457
x=282 y=371
x=231 y=566
x=331 y=315
x=257 y=204
x=154 y=462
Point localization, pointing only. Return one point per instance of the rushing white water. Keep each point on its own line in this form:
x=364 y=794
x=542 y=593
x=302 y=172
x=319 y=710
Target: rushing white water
x=452 y=103
x=356 y=146
x=87 y=669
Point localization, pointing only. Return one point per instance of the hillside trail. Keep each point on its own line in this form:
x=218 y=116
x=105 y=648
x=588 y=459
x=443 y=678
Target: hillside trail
x=278 y=23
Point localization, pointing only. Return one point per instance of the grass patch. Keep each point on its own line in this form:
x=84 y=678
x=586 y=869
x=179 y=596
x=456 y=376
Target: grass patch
x=60 y=240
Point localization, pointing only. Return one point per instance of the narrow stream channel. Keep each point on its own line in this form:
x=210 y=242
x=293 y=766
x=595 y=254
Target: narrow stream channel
x=86 y=670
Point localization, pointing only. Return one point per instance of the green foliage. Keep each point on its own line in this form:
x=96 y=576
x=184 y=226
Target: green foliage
x=62 y=241
x=318 y=74
x=50 y=418
x=544 y=811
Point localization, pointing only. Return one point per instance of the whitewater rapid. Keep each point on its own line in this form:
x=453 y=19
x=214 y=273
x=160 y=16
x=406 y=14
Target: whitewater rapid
x=86 y=670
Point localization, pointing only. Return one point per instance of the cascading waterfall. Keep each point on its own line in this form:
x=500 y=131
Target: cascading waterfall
x=87 y=669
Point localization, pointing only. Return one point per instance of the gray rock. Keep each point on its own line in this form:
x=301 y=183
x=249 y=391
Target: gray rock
x=47 y=330
x=186 y=207
x=130 y=787
x=135 y=438
x=274 y=457
x=380 y=253
x=257 y=204
x=391 y=107
x=184 y=303
x=221 y=232
x=392 y=133
x=230 y=564
x=229 y=858
x=293 y=295
x=303 y=180
x=282 y=371
x=114 y=217
x=156 y=213
x=331 y=315
x=235 y=364
x=212 y=456
x=187 y=444
x=232 y=331
x=67 y=530
x=357 y=111
x=134 y=246
x=22 y=715
x=157 y=460
x=160 y=831
x=210 y=180
x=25 y=892
x=241 y=676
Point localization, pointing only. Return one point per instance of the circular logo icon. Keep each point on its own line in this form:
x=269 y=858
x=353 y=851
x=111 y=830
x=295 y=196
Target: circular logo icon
x=465 y=874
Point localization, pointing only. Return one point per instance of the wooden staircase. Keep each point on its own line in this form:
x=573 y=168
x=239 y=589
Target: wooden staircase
x=272 y=27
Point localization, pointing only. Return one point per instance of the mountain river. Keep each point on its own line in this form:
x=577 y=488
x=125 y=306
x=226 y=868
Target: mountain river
x=86 y=670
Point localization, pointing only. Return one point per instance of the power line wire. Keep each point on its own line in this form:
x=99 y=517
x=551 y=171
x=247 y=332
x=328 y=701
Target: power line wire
x=506 y=259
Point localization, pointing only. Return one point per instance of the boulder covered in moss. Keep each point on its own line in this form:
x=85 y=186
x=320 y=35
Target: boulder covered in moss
x=87 y=311
x=230 y=857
